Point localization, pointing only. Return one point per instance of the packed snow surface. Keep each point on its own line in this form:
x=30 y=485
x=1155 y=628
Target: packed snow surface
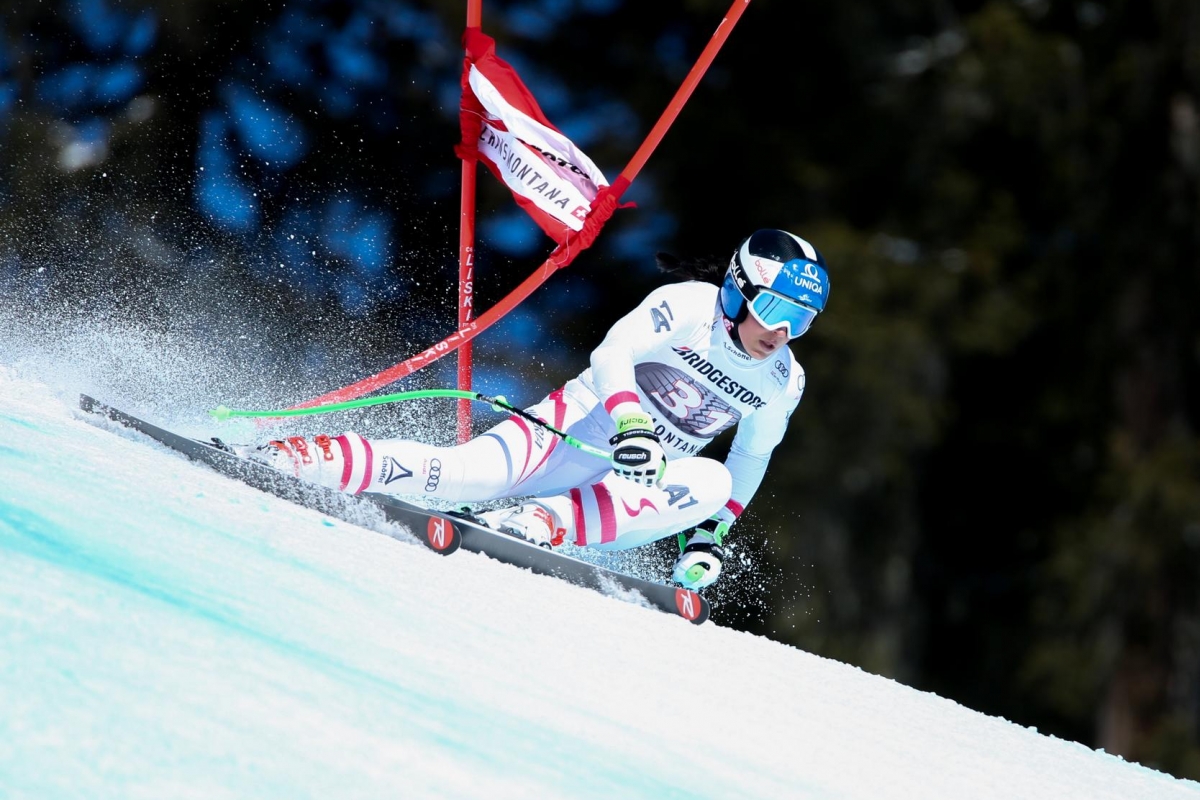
x=166 y=632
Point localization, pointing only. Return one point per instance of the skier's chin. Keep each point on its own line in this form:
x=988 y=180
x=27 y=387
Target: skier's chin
x=762 y=350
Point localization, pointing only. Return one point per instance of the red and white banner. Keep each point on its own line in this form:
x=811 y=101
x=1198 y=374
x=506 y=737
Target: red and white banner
x=502 y=126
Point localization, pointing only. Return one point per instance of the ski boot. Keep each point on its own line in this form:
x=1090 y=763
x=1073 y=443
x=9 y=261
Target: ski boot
x=532 y=522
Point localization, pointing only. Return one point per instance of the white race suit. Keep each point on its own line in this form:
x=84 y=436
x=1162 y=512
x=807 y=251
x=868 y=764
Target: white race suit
x=671 y=356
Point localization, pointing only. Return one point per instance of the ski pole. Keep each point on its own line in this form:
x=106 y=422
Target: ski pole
x=224 y=413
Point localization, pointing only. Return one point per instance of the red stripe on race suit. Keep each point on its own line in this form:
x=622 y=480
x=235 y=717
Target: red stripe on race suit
x=347 y=461
x=560 y=407
x=366 y=481
x=580 y=518
x=608 y=515
x=560 y=415
x=620 y=397
x=736 y=507
x=528 y=446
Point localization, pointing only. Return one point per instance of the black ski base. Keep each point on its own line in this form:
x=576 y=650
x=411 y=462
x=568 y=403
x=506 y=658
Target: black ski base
x=442 y=533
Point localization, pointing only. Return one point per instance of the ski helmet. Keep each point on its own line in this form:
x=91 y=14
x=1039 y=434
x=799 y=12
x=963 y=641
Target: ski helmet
x=777 y=277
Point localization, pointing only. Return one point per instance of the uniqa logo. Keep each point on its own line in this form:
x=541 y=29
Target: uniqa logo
x=810 y=280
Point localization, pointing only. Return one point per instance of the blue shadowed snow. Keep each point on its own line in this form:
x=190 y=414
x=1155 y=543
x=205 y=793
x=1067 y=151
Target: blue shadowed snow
x=166 y=632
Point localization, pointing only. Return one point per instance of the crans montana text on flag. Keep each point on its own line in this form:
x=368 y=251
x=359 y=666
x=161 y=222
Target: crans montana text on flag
x=502 y=126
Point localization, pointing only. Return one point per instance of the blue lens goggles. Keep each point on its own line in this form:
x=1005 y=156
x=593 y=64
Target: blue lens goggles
x=774 y=311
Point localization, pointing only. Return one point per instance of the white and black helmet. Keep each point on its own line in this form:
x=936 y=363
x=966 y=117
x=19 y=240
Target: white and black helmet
x=778 y=278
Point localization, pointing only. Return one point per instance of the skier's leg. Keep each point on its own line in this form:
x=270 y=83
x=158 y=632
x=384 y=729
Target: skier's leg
x=512 y=458
x=617 y=514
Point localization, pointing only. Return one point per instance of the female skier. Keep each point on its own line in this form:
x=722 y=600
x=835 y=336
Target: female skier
x=689 y=362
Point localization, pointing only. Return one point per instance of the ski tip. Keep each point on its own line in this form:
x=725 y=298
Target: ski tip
x=91 y=405
x=691 y=606
x=221 y=413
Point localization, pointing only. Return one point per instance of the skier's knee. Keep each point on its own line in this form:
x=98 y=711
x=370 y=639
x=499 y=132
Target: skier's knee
x=708 y=481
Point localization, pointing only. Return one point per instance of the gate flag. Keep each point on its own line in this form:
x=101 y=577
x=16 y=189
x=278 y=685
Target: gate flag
x=571 y=235
x=502 y=126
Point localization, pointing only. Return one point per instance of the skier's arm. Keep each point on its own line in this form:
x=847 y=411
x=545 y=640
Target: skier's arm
x=756 y=438
x=637 y=454
x=665 y=314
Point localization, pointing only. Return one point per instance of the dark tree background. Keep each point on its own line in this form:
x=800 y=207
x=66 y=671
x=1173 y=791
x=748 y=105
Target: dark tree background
x=992 y=487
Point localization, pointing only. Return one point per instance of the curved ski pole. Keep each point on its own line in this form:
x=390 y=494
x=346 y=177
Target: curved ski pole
x=499 y=403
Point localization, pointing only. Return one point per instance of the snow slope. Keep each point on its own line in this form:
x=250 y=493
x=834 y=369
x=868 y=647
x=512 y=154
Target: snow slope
x=168 y=633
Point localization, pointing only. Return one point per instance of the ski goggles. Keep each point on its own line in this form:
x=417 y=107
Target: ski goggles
x=774 y=311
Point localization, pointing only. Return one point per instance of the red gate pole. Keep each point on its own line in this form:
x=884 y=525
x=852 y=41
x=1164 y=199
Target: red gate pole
x=466 y=262
x=684 y=92
x=563 y=254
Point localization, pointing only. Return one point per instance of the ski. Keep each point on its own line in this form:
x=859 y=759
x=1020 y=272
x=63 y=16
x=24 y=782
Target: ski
x=443 y=533
x=438 y=532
